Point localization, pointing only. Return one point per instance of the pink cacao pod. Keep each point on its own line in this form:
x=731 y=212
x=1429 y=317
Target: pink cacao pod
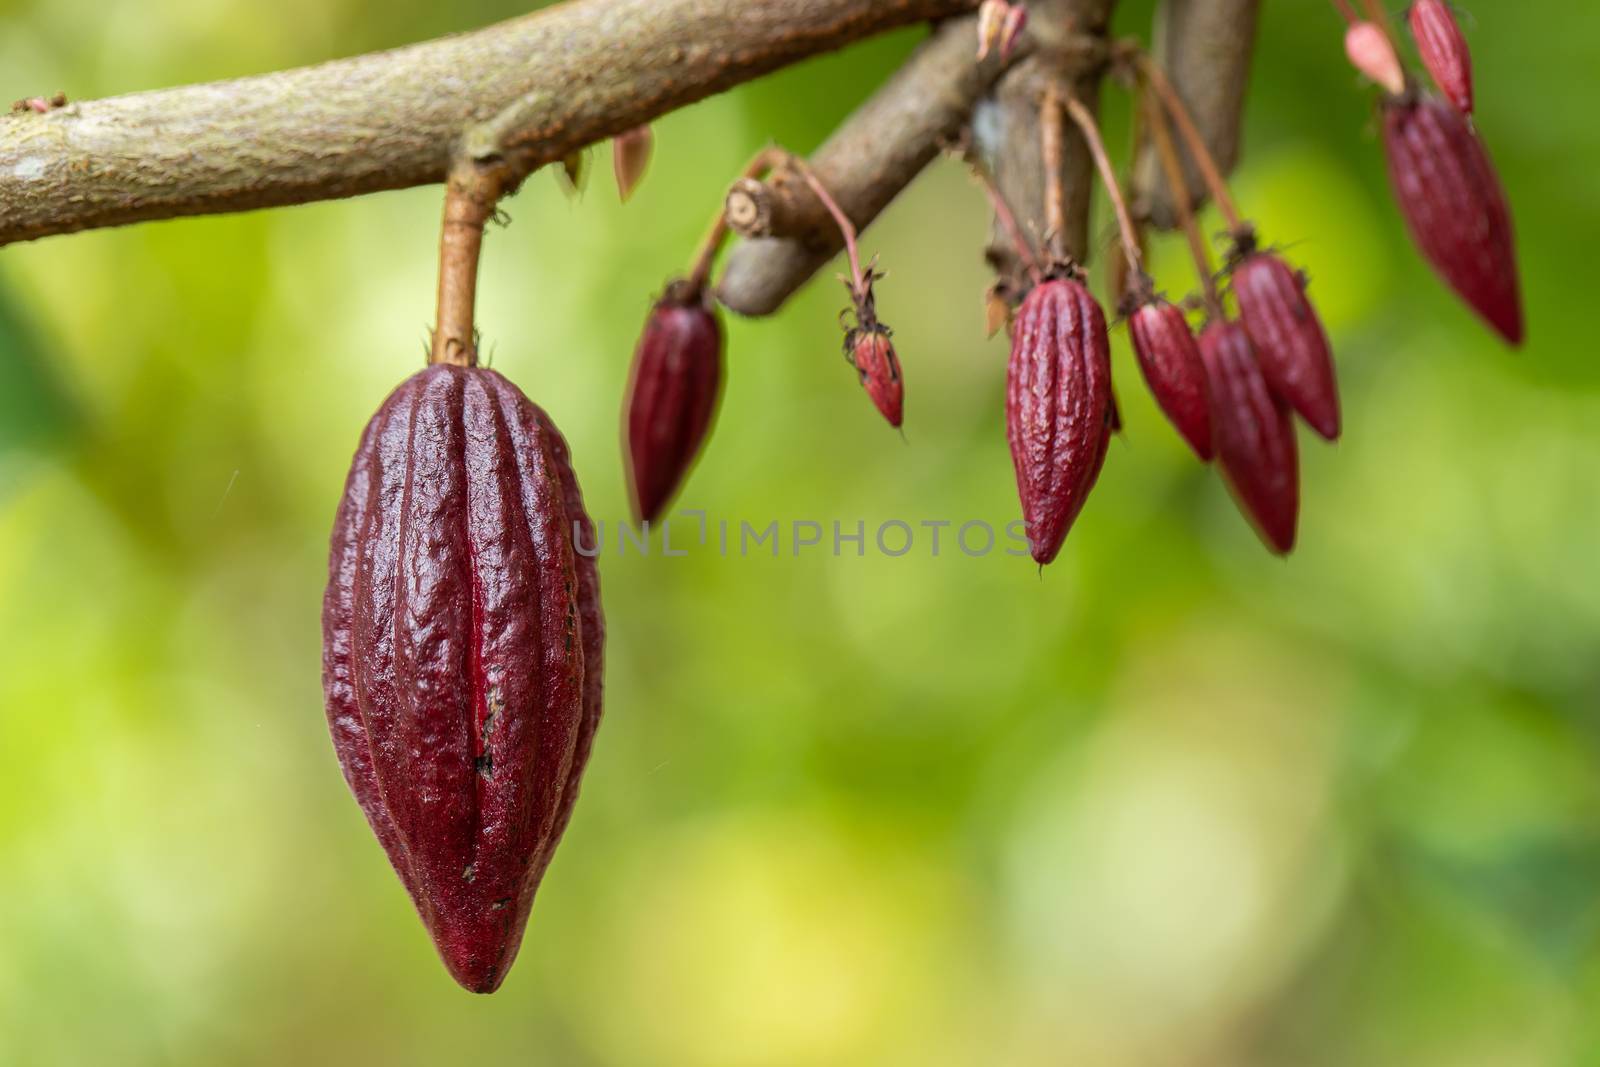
x=872 y=354
x=1290 y=343
x=1454 y=206
x=672 y=398
x=1444 y=50
x=462 y=653
x=1170 y=360
x=1255 y=436
x=1058 y=408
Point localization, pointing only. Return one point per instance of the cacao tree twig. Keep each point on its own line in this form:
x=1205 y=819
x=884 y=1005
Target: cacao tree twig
x=531 y=90
x=874 y=154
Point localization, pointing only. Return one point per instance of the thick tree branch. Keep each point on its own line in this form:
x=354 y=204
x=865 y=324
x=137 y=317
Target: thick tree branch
x=533 y=89
x=1070 y=54
x=874 y=154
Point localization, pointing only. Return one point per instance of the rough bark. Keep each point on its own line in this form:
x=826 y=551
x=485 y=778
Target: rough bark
x=1069 y=51
x=534 y=89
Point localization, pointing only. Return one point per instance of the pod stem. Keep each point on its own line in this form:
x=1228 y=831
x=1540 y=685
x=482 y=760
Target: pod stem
x=706 y=255
x=1007 y=219
x=471 y=193
x=1179 y=187
x=1108 y=176
x=1346 y=11
x=860 y=283
x=1156 y=79
x=1051 y=121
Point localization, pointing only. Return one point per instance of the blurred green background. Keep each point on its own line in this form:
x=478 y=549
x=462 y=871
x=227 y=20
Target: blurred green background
x=1171 y=802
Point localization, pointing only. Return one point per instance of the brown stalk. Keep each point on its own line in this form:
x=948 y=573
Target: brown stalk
x=469 y=203
x=1174 y=106
x=1051 y=121
x=1108 y=176
x=1168 y=154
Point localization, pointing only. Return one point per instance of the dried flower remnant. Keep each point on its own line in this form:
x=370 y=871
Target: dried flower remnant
x=630 y=158
x=1455 y=208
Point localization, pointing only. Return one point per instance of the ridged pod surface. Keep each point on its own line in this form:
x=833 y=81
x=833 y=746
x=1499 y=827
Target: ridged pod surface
x=1289 y=340
x=1170 y=361
x=462 y=653
x=1255 y=436
x=872 y=354
x=1443 y=49
x=672 y=399
x=1455 y=208
x=1058 y=408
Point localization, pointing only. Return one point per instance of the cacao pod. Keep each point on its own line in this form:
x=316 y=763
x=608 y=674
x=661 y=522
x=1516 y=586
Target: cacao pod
x=871 y=353
x=462 y=648
x=1058 y=408
x=672 y=398
x=1454 y=206
x=1444 y=50
x=1255 y=436
x=1170 y=360
x=1290 y=343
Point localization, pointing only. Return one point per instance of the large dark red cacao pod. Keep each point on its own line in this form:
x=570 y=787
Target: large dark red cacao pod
x=1255 y=436
x=1058 y=408
x=672 y=397
x=1454 y=206
x=462 y=645
x=1289 y=340
x=1170 y=360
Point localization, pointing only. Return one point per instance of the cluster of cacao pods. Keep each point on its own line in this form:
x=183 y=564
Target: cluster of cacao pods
x=463 y=633
x=1443 y=180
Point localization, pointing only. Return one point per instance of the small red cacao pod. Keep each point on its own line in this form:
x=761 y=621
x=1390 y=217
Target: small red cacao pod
x=1454 y=206
x=869 y=350
x=672 y=398
x=1058 y=408
x=1444 y=50
x=1255 y=436
x=1289 y=340
x=462 y=644
x=1170 y=360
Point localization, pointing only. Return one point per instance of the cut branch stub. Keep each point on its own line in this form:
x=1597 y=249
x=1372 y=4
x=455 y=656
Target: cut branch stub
x=875 y=153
